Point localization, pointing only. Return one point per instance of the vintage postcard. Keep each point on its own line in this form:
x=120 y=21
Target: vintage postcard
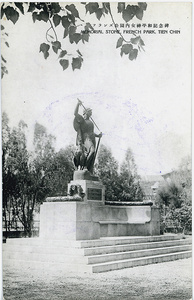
x=96 y=149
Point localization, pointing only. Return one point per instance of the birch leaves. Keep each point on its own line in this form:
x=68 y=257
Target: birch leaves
x=66 y=18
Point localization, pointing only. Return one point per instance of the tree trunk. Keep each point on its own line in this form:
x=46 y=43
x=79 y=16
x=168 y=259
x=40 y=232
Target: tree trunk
x=5 y=218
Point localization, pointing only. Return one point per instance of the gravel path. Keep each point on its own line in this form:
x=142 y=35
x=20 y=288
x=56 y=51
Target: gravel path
x=169 y=281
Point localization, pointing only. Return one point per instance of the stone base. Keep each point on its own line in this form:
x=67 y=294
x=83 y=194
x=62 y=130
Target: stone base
x=93 y=190
x=84 y=175
x=92 y=220
x=68 y=221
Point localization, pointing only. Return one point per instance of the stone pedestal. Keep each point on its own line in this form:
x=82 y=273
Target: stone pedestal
x=92 y=220
x=68 y=221
x=93 y=190
x=83 y=215
x=84 y=175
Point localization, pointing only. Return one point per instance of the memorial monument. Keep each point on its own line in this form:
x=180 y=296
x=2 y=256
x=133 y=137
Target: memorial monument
x=81 y=232
x=83 y=214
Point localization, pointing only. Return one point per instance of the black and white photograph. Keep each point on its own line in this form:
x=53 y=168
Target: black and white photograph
x=96 y=150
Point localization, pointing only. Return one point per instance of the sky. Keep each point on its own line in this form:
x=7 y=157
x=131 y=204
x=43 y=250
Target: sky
x=143 y=104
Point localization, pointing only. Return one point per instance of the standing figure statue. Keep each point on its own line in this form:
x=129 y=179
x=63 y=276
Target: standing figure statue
x=86 y=142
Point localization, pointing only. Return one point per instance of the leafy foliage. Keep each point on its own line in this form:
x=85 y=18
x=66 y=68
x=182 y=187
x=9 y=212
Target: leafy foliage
x=130 y=11
x=61 y=171
x=120 y=186
x=16 y=176
x=5 y=152
x=29 y=177
x=10 y=13
x=76 y=62
x=170 y=195
x=44 y=48
x=64 y=63
x=178 y=219
x=107 y=170
x=175 y=199
x=68 y=18
x=130 y=180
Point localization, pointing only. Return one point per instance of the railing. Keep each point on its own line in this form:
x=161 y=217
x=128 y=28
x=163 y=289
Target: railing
x=149 y=197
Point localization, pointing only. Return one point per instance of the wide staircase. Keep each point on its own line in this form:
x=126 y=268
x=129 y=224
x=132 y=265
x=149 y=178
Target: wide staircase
x=94 y=256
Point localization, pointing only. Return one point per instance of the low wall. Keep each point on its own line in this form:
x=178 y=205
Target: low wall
x=130 y=221
x=92 y=220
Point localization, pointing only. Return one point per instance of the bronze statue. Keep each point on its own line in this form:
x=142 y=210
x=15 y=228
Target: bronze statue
x=86 y=142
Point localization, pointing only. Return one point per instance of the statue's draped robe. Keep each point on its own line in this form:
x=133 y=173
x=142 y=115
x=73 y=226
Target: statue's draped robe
x=85 y=132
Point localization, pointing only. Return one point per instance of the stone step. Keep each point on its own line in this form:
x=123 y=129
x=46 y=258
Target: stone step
x=96 y=268
x=111 y=241
x=48 y=266
x=131 y=247
x=136 y=254
x=42 y=242
x=48 y=248
x=121 y=264
x=101 y=255
x=42 y=249
x=45 y=257
x=77 y=257
x=91 y=243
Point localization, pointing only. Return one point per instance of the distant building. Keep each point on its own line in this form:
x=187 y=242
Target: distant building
x=169 y=176
x=150 y=185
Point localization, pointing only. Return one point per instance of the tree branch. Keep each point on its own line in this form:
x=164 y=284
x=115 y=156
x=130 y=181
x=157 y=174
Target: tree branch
x=116 y=27
x=53 y=30
x=47 y=33
x=56 y=38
